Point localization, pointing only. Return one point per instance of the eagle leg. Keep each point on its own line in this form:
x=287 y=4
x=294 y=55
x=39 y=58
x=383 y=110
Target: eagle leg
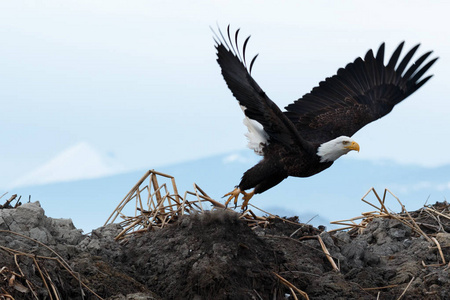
x=233 y=194
x=246 y=198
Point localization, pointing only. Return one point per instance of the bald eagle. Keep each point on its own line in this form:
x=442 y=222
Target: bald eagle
x=314 y=130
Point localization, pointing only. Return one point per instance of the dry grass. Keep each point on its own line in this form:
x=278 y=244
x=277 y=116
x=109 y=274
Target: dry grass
x=381 y=212
x=154 y=201
x=292 y=288
x=415 y=223
x=154 y=204
x=21 y=283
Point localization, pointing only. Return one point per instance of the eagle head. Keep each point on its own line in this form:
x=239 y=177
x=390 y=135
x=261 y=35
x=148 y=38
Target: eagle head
x=332 y=150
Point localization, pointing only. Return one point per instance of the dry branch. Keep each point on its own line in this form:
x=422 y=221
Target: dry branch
x=440 y=249
x=327 y=254
x=382 y=212
x=164 y=205
x=291 y=286
x=45 y=277
x=404 y=291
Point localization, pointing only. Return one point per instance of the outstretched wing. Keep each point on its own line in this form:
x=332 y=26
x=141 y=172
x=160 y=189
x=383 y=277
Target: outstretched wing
x=360 y=93
x=257 y=104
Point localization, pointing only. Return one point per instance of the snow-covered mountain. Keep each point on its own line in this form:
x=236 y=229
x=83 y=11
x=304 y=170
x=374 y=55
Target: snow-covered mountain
x=80 y=161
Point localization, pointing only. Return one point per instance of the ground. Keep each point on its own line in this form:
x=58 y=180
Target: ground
x=216 y=255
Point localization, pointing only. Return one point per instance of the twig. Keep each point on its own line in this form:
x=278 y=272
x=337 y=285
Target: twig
x=439 y=248
x=411 y=218
x=406 y=288
x=312 y=218
x=438 y=213
x=382 y=212
x=164 y=207
x=328 y=255
x=58 y=259
x=291 y=286
x=274 y=216
x=257 y=294
x=381 y=287
x=26 y=280
x=293 y=293
x=42 y=244
x=43 y=278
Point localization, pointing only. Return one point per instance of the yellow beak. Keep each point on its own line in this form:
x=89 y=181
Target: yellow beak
x=353 y=146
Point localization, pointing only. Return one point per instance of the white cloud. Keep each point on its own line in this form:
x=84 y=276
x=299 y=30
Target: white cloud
x=420 y=186
x=236 y=157
x=444 y=186
x=80 y=161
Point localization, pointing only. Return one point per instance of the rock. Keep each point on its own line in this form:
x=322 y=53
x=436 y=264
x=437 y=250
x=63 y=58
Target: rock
x=215 y=255
x=63 y=229
x=443 y=238
x=29 y=220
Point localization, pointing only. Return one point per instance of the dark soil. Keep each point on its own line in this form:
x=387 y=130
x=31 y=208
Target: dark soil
x=215 y=255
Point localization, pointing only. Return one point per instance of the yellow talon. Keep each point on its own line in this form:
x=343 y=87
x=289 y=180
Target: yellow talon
x=247 y=197
x=233 y=194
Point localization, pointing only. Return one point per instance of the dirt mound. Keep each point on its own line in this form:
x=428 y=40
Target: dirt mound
x=212 y=255
x=216 y=255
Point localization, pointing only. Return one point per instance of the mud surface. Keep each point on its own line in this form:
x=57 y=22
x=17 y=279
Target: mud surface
x=217 y=256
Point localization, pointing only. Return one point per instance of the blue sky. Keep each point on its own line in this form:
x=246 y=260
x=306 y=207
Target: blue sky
x=135 y=85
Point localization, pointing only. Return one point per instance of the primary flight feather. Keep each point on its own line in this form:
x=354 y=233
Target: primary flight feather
x=314 y=130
